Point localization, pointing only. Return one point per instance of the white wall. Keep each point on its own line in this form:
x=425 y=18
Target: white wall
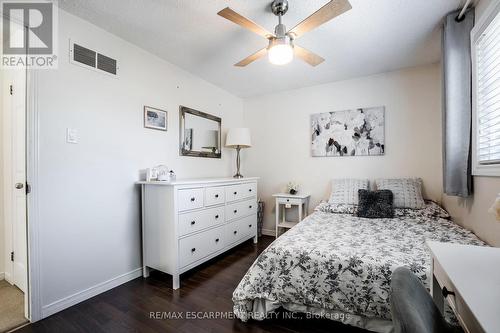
x=281 y=134
x=89 y=205
x=472 y=213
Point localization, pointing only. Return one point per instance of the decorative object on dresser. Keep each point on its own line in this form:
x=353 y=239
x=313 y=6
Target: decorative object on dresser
x=199 y=133
x=155 y=118
x=187 y=222
x=357 y=132
x=238 y=138
x=286 y=200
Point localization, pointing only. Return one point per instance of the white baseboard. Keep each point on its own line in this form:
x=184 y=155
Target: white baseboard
x=66 y=302
x=7 y=277
x=2 y=275
x=269 y=232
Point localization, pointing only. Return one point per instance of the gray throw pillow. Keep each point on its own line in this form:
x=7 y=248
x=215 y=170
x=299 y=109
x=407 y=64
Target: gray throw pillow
x=375 y=204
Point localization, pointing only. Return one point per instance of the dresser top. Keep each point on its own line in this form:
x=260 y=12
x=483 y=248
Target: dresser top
x=190 y=181
x=475 y=274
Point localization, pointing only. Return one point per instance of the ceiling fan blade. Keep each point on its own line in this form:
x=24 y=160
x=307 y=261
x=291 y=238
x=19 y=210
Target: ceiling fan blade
x=329 y=11
x=306 y=55
x=257 y=55
x=233 y=16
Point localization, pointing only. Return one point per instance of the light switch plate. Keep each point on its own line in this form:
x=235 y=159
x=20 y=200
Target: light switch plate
x=71 y=135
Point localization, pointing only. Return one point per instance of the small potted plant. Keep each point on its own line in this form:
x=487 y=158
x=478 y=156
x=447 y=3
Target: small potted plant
x=292 y=188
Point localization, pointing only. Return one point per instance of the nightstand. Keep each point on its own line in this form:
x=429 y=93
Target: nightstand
x=284 y=201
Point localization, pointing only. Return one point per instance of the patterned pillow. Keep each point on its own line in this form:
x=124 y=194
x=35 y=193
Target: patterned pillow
x=375 y=204
x=407 y=191
x=345 y=191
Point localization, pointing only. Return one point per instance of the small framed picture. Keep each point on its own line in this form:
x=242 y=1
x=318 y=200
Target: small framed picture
x=155 y=118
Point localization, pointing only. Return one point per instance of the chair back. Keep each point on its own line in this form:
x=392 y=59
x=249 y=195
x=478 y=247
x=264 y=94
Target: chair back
x=412 y=307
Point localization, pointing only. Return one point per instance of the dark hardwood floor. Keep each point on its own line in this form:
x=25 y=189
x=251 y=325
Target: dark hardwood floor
x=208 y=287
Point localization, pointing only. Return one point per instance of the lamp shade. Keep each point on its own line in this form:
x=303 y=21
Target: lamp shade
x=238 y=137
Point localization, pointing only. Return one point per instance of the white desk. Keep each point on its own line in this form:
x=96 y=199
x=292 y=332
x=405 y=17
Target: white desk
x=471 y=275
x=282 y=201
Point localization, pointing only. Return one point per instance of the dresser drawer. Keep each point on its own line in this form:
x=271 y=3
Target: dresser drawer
x=239 y=229
x=293 y=201
x=214 y=195
x=190 y=198
x=240 y=191
x=196 y=221
x=249 y=225
x=240 y=209
x=198 y=246
x=444 y=282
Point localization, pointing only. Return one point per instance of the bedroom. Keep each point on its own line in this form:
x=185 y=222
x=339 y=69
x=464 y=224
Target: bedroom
x=121 y=103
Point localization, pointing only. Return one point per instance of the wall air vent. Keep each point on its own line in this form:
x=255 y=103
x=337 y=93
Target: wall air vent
x=82 y=56
x=106 y=64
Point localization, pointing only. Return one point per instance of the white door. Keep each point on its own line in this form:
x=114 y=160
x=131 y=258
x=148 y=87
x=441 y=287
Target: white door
x=15 y=172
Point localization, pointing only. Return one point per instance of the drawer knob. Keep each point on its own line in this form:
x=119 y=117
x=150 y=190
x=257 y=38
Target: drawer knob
x=192 y=199
x=193 y=222
x=250 y=206
x=193 y=249
x=235 y=232
x=287 y=200
x=446 y=292
x=235 y=211
x=216 y=216
x=249 y=225
x=216 y=195
x=216 y=240
x=249 y=190
x=235 y=192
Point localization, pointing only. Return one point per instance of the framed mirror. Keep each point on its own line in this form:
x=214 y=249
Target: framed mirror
x=199 y=134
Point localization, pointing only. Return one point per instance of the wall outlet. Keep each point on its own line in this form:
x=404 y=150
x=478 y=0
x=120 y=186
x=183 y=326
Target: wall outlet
x=71 y=135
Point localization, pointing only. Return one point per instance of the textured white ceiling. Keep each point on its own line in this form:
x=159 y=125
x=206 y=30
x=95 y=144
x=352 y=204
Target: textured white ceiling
x=375 y=36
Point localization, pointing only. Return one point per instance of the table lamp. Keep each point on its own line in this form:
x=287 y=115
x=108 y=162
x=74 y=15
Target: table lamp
x=238 y=138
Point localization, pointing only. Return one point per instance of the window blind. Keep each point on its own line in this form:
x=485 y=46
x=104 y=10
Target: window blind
x=488 y=94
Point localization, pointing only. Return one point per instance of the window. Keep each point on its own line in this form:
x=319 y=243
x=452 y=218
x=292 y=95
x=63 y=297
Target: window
x=486 y=93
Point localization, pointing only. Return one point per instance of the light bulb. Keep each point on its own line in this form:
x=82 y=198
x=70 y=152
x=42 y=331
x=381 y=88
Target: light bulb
x=280 y=54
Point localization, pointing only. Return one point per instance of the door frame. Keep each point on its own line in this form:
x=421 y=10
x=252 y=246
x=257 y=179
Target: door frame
x=34 y=296
x=33 y=216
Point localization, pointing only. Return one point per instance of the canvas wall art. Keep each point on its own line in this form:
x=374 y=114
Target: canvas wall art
x=356 y=132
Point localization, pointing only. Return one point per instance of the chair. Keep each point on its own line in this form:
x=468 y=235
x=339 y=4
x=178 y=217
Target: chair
x=412 y=307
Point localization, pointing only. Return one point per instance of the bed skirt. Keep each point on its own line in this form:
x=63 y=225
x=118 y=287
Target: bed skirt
x=260 y=308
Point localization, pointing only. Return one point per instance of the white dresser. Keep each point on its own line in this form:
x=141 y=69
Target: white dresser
x=187 y=222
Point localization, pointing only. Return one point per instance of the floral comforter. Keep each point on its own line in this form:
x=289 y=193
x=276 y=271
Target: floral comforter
x=338 y=265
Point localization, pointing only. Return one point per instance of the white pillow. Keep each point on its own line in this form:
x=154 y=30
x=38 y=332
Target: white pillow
x=345 y=191
x=407 y=192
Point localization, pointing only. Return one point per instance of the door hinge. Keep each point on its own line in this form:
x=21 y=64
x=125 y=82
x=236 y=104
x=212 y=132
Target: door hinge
x=12 y=256
x=11 y=89
x=28 y=188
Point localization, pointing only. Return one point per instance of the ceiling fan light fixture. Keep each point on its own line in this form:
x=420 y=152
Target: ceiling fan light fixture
x=280 y=51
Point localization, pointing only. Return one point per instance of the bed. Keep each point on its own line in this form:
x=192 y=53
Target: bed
x=339 y=266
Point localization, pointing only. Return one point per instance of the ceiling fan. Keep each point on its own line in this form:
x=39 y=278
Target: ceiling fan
x=282 y=47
